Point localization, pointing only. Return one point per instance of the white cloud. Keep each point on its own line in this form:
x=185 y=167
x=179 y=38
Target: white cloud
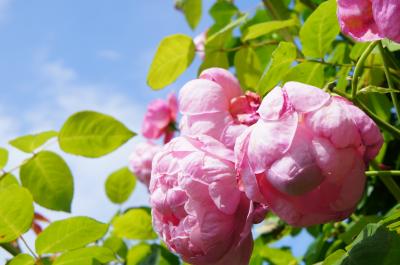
x=108 y=54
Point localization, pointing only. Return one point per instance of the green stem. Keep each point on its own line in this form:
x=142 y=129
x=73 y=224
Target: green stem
x=387 y=180
x=389 y=79
x=359 y=66
x=383 y=173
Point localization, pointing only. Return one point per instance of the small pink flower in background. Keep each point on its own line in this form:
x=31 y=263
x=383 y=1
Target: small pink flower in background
x=140 y=160
x=197 y=208
x=199 y=43
x=160 y=119
x=306 y=155
x=214 y=105
x=368 y=20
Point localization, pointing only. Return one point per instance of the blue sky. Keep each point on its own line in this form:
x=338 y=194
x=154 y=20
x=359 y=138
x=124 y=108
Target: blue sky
x=59 y=57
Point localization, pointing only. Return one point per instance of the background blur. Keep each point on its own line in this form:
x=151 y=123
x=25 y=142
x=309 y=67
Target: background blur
x=60 y=57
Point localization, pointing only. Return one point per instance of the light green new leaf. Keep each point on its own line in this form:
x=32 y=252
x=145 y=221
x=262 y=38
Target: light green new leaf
x=119 y=185
x=336 y=258
x=174 y=55
x=320 y=30
x=248 y=67
x=117 y=245
x=279 y=65
x=264 y=28
x=308 y=73
x=16 y=213
x=215 y=37
x=50 y=181
x=92 y=134
x=3 y=157
x=192 y=10
x=377 y=89
x=278 y=256
x=141 y=254
x=68 y=234
x=30 y=143
x=22 y=259
x=134 y=224
x=8 y=180
x=86 y=256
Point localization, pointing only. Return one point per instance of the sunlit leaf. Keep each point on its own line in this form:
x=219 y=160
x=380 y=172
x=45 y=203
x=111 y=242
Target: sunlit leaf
x=320 y=30
x=68 y=234
x=86 y=256
x=50 y=181
x=308 y=73
x=16 y=212
x=22 y=259
x=3 y=157
x=30 y=143
x=119 y=185
x=174 y=55
x=134 y=224
x=264 y=28
x=92 y=134
x=248 y=67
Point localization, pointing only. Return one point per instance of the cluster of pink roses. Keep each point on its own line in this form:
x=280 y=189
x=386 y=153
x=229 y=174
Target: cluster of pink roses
x=299 y=152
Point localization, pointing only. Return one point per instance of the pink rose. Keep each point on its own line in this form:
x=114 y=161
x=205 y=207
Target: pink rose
x=160 y=119
x=140 y=160
x=197 y=208
x=368 y=20
x=214 y=105
x=306 y=155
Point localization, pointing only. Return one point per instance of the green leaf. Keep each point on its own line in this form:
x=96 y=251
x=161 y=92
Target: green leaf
x=68 y=234
x=335 y=258
x=86 y=256
x=119 y=185
x=117 y=245
x=377 y=89
x=320 y=30
x=50 y=181
x=355 y=228
x=264 y=28
x=7 y=180
x=212 y=39
x=134 y=224
x=16 y=213
x=192 y=10
x=391 y=45
x=174 y=55
x=279 y=65
x=215 y=59
x=31 y=142
x=357 y=50
x=308 y=73
x=222 y=12
x=374 y=245
x=22 y=259
x=144 y=254
x=248 y=67
x=3 y=157
x=278 y=256
x=92 y=134
x=141 y=254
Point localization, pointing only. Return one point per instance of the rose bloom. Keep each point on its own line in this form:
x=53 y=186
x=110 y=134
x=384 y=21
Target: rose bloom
x=215 y=105
x=199 y=42
x=368 y=20
x=197 y=208
x=160 y=118
x=140 y=160
x=306 y=155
